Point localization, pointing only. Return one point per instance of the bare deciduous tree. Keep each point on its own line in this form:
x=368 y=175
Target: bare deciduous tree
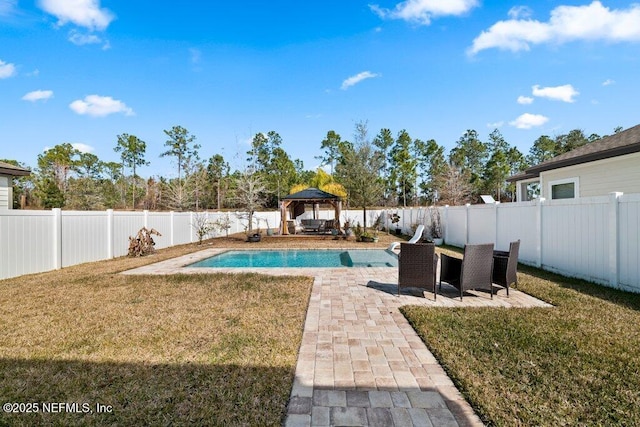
x=250 y=194
x=454 y=185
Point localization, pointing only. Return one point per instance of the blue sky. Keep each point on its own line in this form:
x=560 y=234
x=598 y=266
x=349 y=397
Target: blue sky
x=84 y=71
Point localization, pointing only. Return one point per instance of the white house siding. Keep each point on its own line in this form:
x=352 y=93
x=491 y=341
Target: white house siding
x=600 y=177
x=5 y=193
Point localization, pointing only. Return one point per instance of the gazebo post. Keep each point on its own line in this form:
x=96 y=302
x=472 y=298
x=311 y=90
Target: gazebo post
x=283 y=218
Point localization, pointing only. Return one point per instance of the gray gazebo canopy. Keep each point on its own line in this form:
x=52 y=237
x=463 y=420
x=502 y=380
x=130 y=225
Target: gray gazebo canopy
x=295 y=203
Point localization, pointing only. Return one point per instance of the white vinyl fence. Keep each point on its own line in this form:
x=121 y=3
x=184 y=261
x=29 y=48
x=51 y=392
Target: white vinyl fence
x=37 y=241
x=592 y=238
x=595 y=238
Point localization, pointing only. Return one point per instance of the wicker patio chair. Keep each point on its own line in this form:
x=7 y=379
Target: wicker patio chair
x=471 y=272
x=505 y=266
x=417 y=266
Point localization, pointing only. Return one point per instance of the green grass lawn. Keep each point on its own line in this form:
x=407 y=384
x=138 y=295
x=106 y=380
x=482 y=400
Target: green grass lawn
x=159 y=350
x=575 y=364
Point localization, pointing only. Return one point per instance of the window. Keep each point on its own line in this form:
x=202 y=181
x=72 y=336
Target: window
x=564 y=189
x=528 y=189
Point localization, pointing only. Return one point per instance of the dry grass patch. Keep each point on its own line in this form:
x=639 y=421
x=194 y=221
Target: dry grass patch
x=574 y=364
x=162 y=350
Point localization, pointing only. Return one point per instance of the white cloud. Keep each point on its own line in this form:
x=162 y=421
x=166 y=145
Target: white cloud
x=353 y=80
x=84 y=13
x=519 y=12
x=82 y=39
x=608 y=82
x=525 y=100
x=100 y=106
x=495 y=125
x=567 y=23
x=38 y=95
x=7 y=7
x=563 y=93
x=7 y=70
x=422 y=11
x=83 y=148
x=528 y=120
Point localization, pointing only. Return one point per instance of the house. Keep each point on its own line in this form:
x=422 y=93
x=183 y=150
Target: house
x=7 y=172
x=594 y=169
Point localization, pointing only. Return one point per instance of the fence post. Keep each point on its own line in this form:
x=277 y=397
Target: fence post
x=172 y=219
x=57 y=238
x=495 y=221
x=145 y=218
x=191 y=240
x=539 y=208
x=614 y=230
x=445 y=232
x=109 y=233
x=466 y=222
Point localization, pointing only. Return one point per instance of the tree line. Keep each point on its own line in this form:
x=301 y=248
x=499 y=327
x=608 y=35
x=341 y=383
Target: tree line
x=384 y=169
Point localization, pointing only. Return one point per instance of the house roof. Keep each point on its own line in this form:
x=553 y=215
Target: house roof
x=312 y=194
x=9 y=169
x=619 y=144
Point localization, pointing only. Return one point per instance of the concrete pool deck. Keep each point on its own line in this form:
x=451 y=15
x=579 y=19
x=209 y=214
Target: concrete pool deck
x=360 y=362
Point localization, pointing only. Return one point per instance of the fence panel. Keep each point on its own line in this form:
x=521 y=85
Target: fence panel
x=183 y=232
x=456 y=225
x=518 y=221
x=482 y=224
x=161 y=222
x=26 y=239
x=125 y=224
x=575 y=238
x=628 y=244
x=84 y=237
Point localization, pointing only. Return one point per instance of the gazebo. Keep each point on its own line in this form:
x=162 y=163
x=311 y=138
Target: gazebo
x=294 y=204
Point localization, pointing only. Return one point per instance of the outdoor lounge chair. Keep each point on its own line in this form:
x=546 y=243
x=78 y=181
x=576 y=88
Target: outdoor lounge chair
x=416 y=238
x=417 y=266
x=313 y=225
x=505 y=266
x=471 y=272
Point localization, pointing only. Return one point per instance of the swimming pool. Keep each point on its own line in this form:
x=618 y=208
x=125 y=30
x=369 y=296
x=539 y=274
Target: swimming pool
x=302 y=258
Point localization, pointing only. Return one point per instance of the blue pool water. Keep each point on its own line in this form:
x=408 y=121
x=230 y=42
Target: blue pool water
x=302 y=258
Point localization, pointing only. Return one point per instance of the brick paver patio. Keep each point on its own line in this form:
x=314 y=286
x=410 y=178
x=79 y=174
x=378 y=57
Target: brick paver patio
x=360 y=362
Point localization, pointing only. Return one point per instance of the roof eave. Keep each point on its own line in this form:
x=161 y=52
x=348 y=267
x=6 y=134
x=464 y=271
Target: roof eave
x=534 y=171
x=586 y=158
x=14 y=172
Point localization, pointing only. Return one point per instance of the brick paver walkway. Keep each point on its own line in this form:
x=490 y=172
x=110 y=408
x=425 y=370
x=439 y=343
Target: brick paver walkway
x=360 y=362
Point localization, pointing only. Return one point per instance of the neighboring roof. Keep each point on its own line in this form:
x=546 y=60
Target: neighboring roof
x=9 y=169
x=312 y=194
x=619 y=144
